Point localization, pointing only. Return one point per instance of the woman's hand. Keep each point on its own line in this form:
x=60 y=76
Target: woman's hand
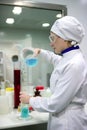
x=36 y=51
x=26 y=51
x=24 y=97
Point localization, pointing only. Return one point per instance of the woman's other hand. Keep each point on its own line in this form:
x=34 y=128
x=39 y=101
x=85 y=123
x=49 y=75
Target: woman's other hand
x=24 y=97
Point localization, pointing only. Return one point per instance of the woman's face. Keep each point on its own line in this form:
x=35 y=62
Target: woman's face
x=57 y=43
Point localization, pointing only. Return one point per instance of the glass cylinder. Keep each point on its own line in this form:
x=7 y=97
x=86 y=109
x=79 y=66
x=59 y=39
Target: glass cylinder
x=17 y=83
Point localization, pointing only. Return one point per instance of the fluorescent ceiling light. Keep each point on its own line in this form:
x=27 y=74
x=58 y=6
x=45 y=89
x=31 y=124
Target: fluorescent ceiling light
x=45 y=25
x=17 y=10
x=28 y=35
x=18 y=3
x=9 y=20
x=59 y=15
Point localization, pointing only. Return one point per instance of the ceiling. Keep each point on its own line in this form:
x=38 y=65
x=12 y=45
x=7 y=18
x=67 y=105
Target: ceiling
x=30 y=18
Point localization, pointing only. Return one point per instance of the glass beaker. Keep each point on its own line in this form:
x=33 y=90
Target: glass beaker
x=31 y=61
x=24 y=111
x=29 y=58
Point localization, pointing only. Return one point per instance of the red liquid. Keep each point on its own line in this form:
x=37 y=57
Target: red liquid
x=17 y=87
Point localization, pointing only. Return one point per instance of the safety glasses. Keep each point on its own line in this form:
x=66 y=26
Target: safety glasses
x=53 y=38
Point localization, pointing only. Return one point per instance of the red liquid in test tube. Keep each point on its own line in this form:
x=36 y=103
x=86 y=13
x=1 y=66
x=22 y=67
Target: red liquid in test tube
x=17 y=87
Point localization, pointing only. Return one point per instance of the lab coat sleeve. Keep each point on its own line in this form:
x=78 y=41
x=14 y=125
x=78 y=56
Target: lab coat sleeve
x=67 y=86
x=50 y=56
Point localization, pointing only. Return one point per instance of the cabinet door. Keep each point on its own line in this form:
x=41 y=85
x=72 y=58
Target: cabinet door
x=42 y=126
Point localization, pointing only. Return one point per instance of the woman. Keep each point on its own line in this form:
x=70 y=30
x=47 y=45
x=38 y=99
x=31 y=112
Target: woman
x=68 y=82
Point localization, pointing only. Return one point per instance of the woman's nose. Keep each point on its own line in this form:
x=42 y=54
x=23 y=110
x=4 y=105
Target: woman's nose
x=51 y=44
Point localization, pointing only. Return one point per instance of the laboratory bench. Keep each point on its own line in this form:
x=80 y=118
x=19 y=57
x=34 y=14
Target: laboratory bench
x=13 y=121
x=36 y=121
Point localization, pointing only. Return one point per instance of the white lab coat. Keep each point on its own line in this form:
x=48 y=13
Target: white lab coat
x=68 y=85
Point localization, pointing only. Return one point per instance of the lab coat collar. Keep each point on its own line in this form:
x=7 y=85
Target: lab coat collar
x=71 y=52
x=70 y=49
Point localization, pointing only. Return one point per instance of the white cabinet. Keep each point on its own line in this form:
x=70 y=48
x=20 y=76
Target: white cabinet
x=2 y=66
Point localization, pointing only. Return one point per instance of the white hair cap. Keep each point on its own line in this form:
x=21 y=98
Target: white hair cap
x=68 y=28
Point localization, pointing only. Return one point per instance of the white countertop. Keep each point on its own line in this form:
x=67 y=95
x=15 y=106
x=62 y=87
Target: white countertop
x=13 y=119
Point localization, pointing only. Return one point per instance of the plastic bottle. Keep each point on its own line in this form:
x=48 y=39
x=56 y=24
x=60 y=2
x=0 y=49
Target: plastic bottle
x=2 y=88
x=4 y=104
x=36 y=93
x=10 y=94
x=37 y=90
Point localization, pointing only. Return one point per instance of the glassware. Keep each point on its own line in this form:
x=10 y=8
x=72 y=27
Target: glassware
x=29 y=58
x=17 y=86
x=17 y=80
x=31 y=61
x=24 y=111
